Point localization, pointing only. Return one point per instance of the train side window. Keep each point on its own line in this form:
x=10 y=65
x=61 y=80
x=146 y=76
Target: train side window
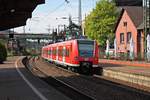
x=64 y=52
x=46 y=52
x=71 y=47
x=49 y=52
x=54 y=51
x=60 y=52
x=67 y=52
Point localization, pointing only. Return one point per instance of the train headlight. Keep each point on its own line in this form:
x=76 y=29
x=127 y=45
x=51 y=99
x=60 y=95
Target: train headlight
x=95 y=58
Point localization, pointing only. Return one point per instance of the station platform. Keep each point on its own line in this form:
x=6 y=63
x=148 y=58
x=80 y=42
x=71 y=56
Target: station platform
x=17 y=83
x=130 y=71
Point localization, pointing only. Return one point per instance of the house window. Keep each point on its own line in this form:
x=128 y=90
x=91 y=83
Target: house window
x=121 y=37
x=124 y=24
x=128 y=37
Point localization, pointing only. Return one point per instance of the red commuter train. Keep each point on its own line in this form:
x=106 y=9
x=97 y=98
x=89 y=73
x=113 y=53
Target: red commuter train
x=80 y=54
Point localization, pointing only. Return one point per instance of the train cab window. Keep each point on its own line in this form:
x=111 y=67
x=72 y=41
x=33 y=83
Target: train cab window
x=85 y=48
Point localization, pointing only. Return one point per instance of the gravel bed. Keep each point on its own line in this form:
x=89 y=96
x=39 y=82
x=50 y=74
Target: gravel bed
x=92 y=87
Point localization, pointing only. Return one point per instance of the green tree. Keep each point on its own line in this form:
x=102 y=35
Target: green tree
x=3 y=53
x=100 y=23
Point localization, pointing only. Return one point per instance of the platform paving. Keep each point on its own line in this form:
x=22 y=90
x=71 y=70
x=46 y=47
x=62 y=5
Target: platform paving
x=130 y=71
x=13 y=87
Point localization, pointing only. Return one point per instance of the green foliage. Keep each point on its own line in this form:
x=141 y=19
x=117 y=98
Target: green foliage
x=3 y=53
x=100 y=23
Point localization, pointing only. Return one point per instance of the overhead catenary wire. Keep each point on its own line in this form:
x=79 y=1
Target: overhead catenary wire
x=53 y=11
x=70 y=6
x=45 y=17
x=58 y=7
x=66 y=5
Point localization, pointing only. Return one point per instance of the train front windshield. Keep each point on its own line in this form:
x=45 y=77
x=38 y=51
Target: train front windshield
x=86 y=48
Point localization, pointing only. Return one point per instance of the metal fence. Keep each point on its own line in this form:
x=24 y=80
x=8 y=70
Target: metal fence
x=124 y=56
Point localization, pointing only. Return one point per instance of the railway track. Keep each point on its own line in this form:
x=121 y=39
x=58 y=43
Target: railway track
x=66 y=89
x=95 y=87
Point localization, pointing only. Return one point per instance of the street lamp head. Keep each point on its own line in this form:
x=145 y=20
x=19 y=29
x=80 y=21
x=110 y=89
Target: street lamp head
x=61 y=18
x=12 y=10
x=66 y=1
x=64 y=18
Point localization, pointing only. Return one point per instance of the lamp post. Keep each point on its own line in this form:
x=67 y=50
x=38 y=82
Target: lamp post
x=80 y=14
x=146 y=18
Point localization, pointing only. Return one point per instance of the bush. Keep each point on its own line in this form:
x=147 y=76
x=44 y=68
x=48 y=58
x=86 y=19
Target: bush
x=3 y=53
x=123 y=56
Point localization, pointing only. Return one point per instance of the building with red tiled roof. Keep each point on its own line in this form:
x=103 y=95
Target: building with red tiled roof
x=130 y=25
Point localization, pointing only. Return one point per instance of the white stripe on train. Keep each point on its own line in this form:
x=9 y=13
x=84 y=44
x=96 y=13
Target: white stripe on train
x=65 y=64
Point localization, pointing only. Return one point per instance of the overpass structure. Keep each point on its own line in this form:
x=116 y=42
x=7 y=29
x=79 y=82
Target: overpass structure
x=26 y=36
x=26 y=41
x=33 y=36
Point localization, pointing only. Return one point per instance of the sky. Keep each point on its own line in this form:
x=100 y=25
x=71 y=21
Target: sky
x=49 y=15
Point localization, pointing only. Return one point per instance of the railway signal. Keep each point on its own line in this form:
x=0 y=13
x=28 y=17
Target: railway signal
x=11 y=35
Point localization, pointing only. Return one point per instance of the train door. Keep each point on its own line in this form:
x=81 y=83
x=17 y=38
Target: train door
x=53 y=54
x=68 y=60
x=64 y=54
x=48 y=53
x=60 y=49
